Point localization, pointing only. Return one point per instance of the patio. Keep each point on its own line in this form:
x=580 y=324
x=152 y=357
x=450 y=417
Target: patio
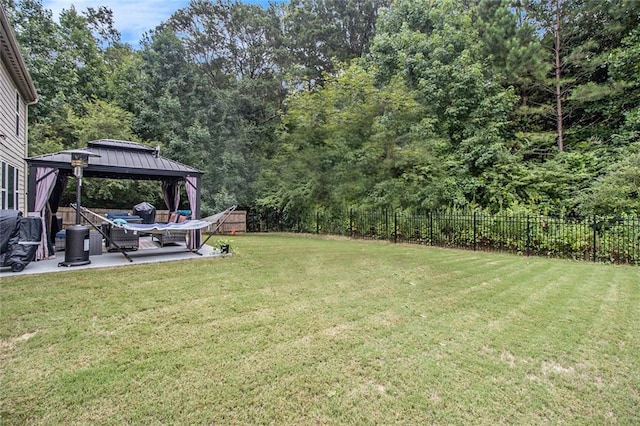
x=113 y=159
x=148 y=252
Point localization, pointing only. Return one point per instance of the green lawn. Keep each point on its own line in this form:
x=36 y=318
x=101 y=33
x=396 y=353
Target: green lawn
x=305 y=330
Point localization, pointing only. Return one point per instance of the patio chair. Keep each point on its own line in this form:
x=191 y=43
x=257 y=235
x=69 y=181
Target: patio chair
x=117 y=238
x=175 y=236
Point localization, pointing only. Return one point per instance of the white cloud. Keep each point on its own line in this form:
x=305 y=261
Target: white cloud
x=131 y=18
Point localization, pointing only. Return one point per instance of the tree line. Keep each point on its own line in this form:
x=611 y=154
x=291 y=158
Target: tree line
x=520 y=105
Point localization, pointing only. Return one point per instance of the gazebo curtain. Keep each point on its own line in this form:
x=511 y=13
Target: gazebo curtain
x=192 y=194
x=171 y=194
x=45 y=181
x=54 y=203
x=56 y=193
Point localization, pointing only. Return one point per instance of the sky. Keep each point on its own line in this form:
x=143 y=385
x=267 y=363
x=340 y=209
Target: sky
x=131 y=17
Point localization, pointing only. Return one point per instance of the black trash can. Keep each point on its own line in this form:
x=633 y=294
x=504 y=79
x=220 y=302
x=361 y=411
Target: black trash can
x=146 y=211
x=77 y=244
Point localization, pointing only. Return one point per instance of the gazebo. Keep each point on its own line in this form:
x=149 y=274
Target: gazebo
x=117 y=160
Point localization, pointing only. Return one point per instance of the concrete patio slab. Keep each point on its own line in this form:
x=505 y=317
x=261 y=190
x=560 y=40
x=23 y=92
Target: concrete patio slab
x=149 y=252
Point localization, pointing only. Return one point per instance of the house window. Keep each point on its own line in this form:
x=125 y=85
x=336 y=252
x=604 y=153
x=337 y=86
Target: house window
x=9 y=190
x=17 y=114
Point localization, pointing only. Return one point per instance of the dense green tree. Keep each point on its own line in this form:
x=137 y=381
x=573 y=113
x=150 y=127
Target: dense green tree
x=166 y=78
x=98 y=120
x=618 y=189
x=319 y=33
x=599 y=104
x=496 y=104
x=102 y=120
x=229 y=40
x=84 y=53
x=509 y=44
x=577 y=35
x=50 y=67
x=511 y=48
x=624 y=75
x=218 y=130
x=66 y=62
x=351 y=143
x=437 y=49
x=123 y=77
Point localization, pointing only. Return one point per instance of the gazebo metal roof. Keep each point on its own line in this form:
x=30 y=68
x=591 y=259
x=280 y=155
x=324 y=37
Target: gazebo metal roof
x=120 y=160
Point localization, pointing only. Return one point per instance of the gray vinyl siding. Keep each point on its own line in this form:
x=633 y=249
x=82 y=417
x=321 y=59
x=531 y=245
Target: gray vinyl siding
x=14 y=147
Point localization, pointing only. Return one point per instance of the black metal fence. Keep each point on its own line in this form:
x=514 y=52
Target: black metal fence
x=597 y=238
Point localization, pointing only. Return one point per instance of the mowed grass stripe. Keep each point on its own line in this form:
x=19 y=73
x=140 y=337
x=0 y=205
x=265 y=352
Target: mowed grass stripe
x=302 y=330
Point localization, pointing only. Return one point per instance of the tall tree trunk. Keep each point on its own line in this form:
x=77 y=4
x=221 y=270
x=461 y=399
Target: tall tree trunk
x=559 y=114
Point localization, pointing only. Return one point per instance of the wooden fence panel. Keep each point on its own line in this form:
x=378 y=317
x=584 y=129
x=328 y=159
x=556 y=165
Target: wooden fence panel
x=237 y=222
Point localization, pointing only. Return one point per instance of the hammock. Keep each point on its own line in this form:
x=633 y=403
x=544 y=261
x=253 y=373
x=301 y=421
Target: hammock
x=164 y=228
x=188 y=225
x=161 y=228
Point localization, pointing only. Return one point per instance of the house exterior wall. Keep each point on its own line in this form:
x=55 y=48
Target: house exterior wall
x=13 y=127
x=17 y=91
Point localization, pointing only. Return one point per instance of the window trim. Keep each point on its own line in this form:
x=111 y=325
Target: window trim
x=18 y=102
x=9 y=196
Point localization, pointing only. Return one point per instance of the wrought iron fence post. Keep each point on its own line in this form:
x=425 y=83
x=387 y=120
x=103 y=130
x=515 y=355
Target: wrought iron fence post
x=595 y=236
x=395 y=227
x=350 y=223
x=475 y=232
x=528 y=235
x=386 y=223
x=317 y=222
x=430 y=227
